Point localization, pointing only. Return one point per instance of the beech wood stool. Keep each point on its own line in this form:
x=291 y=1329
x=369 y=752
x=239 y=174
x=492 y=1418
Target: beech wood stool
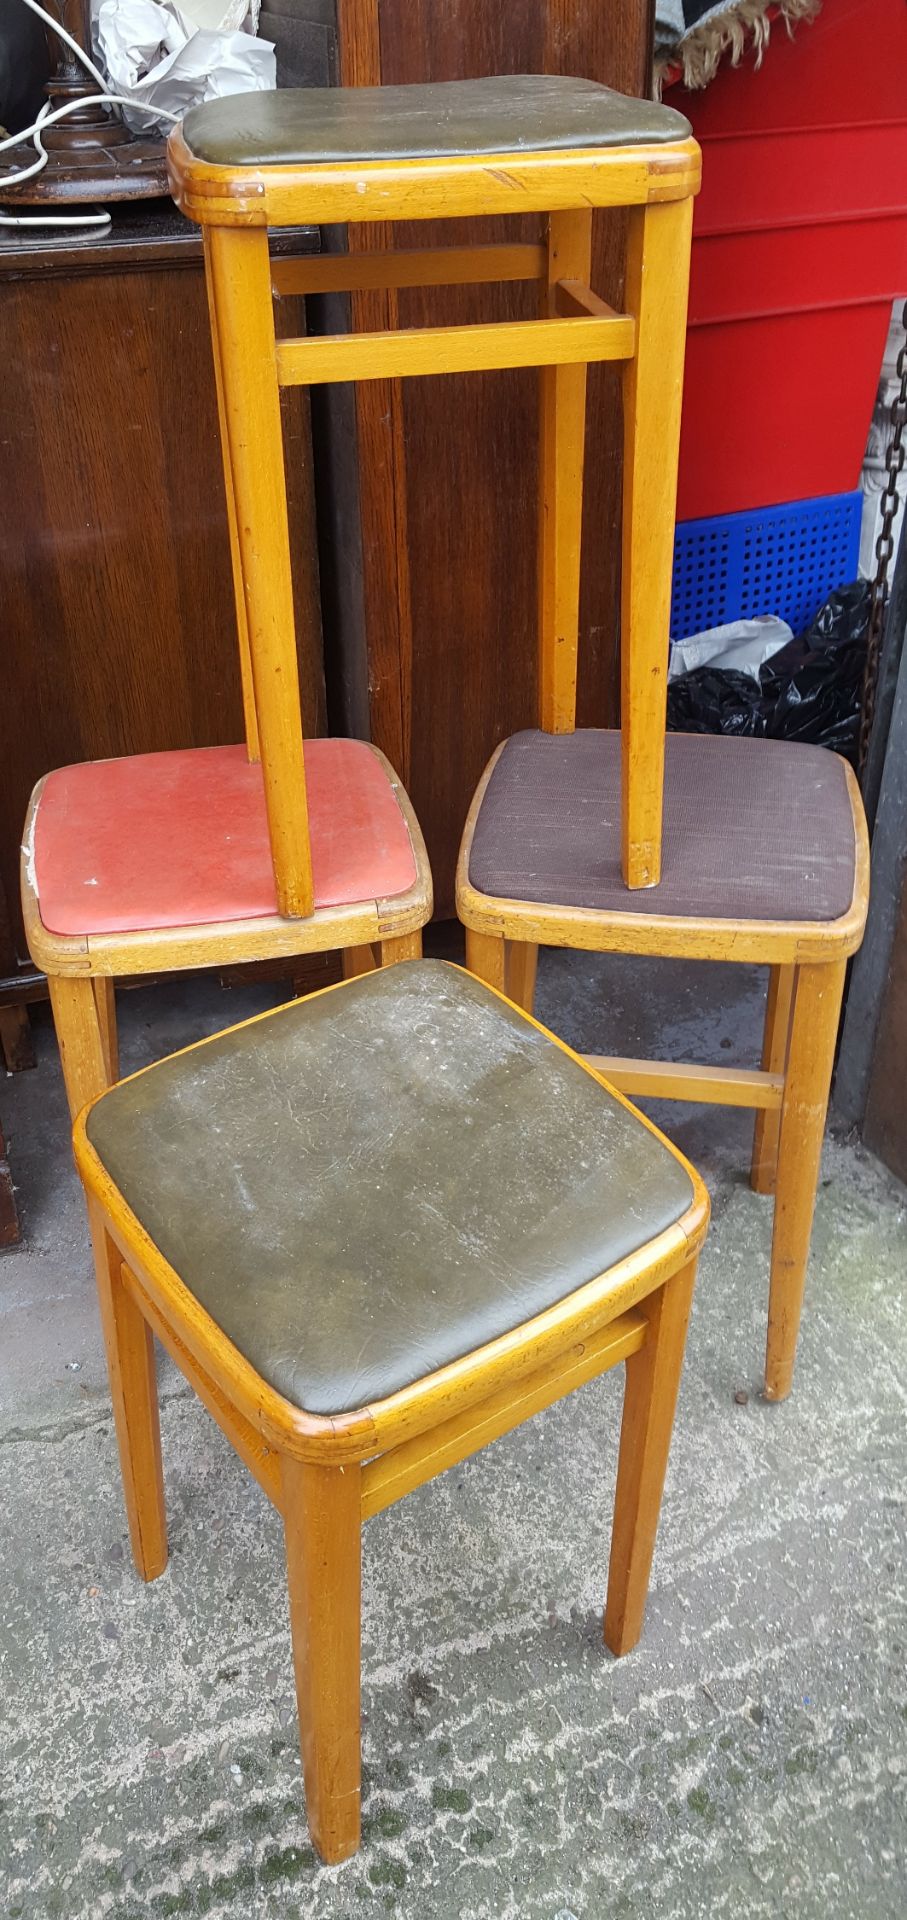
x=765 y=845
x=512 y=145
x=376 y=1229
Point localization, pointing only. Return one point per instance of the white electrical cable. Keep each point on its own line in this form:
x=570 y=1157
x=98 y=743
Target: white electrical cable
x=47 y=118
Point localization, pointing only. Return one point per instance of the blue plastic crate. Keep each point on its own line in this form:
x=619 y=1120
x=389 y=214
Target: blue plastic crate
x=784 y=560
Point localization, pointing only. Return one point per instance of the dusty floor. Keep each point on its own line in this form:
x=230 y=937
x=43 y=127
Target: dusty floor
x=749 y=1759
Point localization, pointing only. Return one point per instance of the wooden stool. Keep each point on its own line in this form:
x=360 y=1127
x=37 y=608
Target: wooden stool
x=376 y=1229
x=507 y=146
x=766 y=855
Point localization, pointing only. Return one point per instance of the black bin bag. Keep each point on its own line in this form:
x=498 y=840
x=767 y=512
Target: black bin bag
x=809 y=691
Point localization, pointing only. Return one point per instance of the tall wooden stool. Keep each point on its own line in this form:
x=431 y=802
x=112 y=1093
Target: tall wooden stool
x=514 y=145
x=376 y=1229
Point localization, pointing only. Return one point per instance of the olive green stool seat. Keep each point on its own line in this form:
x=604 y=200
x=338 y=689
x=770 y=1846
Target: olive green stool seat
x=392 y=1177
x=376 y=1229
x=507 y=113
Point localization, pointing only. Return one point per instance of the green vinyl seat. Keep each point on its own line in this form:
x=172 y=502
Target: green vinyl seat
x=361 y=1187
x=510 y=113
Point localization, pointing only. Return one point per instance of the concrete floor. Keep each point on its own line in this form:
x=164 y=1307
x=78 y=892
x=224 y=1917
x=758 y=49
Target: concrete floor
x=750 y=1758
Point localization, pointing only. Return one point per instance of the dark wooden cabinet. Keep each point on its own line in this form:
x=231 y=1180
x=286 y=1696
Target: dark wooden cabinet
x=118 y=613
x=429 y=559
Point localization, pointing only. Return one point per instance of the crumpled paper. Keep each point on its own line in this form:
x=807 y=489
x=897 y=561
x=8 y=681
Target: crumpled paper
x=175 y=57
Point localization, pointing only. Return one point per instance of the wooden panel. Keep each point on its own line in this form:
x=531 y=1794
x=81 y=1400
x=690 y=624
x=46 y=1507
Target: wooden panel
x=119 y=626
x=448 y=488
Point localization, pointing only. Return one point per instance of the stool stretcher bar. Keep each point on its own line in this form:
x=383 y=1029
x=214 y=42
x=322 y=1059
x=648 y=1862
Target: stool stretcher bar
x=674 y=1080
x=395 y=1473
x=410 y=267
x=428 y=350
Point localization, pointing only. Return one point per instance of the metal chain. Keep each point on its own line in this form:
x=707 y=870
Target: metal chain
x=897 y=452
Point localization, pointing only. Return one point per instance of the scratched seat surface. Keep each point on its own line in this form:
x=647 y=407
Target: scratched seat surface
x=753 y=829
x=510 y=113
x=181 y=839
x=366 y=1185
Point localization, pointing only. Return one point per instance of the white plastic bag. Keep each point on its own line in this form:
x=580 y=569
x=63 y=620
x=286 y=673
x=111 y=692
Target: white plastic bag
x=175 y=57
x=743 y=646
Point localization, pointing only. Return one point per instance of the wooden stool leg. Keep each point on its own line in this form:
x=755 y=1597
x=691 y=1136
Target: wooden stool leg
x=133 y=1388
x=322 y=1510
x=562 y=445
x=106 y=1005
x=767 y=1130
x=650 y=1396
x=407 y=946
x=80 y=1039
x=357 y=960
x=486 y=957
x=818 y=994
x=658 y=265
x=521 y=967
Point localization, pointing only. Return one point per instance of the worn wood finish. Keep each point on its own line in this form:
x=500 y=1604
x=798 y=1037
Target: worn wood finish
x=397 y=1472
x=774 y=1060
x=410 y=267
x=449 y=350
x=658 y=270
x=321 y=1508
x=79 y=1038
x=326 y=1474
x=650 y=1396
x=448 y=187
x=675 y=1080
x=814 y=952
x=521 y=966
x=250 y=716
x=486 y=957
x=468 y=574
x=358 y=960
x=261 y=1459
x=129 y=1346
x=119 y=628
x=818 y=993
x=240 y=273
x=106 y=1010
x=407 y=946
x=562 y=444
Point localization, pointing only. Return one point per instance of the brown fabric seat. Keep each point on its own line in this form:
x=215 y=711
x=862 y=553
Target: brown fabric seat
x=753 y=829
x=362 y=1187
x=512 y=113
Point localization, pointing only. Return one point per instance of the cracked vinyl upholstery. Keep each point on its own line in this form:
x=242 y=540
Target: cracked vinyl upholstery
x=362 y=1187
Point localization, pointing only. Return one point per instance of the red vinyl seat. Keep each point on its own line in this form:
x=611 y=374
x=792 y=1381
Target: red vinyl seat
x=181 y=839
